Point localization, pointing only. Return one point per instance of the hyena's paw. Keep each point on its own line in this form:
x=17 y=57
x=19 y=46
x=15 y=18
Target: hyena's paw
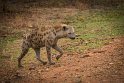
x=57 y=57
x=20 y=66
x=44 y=63
x=52 y=63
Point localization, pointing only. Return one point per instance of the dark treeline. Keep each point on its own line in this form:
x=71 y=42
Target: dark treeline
x=6 y=4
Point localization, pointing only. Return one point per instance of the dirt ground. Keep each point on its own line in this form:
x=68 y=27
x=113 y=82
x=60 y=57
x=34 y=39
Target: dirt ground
x=100 y=65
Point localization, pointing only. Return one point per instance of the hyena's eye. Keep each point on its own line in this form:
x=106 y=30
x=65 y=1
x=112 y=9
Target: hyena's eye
x=69 y=33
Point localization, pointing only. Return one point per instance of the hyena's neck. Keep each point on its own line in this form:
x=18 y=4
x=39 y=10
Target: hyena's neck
x=58 y=31
x=59 y=35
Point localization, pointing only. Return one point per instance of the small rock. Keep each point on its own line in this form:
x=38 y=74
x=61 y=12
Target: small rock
x=111 y=63
x=85 y=56
x=47 y=69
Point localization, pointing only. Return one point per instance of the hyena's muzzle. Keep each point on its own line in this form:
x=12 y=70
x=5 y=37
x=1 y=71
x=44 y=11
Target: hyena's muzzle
x=71 y=35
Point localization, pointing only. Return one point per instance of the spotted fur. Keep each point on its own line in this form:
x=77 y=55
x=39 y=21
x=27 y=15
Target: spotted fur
x=45 y=37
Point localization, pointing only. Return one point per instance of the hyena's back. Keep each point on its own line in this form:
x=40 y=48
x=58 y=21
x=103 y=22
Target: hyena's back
x=37 y=37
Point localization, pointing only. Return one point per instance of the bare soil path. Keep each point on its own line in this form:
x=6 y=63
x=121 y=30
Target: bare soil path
x=101 y=65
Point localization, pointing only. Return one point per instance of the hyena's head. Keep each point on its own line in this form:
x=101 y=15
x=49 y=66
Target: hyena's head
x=66 y=31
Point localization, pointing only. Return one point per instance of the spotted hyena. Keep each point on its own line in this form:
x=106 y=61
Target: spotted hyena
x=45 y=37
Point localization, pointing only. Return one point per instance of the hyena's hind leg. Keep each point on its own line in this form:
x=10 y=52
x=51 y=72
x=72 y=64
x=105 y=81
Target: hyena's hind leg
x=24 y=50
x=37 y=51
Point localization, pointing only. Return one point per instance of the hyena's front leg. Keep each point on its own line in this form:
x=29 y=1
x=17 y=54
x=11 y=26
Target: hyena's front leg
x=25 y=49
x=37 y=51
x=59 y=50
x=48 y=49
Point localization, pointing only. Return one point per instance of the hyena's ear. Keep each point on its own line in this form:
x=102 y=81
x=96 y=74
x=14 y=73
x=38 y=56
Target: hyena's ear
x=65 y=28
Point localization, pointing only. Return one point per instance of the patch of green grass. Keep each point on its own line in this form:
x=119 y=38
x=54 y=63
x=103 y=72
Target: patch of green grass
x=97 y=26
x=7 y=40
